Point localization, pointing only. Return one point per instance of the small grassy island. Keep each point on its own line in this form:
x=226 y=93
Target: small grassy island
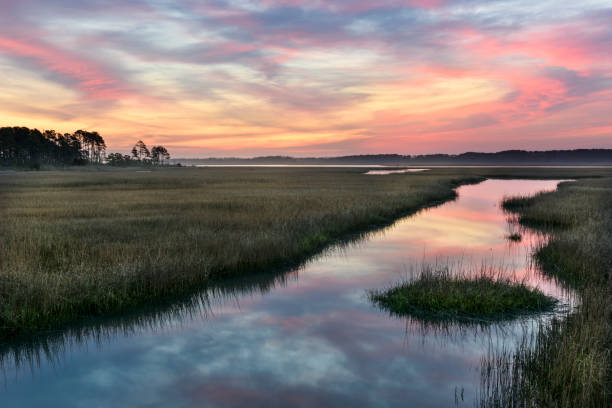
x=440 y=294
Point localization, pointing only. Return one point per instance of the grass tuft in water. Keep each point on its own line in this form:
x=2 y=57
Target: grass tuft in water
x=442 y=293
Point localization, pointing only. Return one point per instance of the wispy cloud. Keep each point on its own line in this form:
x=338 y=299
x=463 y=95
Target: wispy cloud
x=312 y=77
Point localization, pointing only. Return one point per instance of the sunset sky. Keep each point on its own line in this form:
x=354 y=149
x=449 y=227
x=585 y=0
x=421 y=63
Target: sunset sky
x=311 y=78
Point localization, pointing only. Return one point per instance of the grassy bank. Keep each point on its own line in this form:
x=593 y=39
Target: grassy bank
x=442 y=294
x=568 y=364
x=79 y=244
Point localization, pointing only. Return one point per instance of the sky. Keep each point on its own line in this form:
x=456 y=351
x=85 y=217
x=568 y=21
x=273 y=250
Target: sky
x=311 y=78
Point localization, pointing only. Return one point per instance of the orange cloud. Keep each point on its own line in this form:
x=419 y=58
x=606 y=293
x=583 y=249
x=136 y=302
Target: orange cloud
x=302 y=77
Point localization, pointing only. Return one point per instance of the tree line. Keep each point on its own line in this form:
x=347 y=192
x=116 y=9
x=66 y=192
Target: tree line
x=24 y=147
x=157 y=156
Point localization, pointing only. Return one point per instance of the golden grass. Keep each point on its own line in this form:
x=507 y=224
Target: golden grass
x=79 y=244
x=568 y=363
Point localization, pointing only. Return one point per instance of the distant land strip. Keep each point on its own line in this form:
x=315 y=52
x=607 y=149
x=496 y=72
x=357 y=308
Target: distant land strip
x=577 y=157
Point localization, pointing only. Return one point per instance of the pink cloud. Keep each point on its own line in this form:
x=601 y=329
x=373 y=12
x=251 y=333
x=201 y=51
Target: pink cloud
x=319 y=67
x=575 y=45
x=91 y=79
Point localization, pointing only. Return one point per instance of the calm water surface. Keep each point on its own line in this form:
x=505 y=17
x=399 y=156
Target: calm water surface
x=386 y=172
x=307 y=338
x=295 y=165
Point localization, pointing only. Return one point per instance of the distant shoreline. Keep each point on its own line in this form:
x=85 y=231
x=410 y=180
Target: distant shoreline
x=507 y=158
x=570 y=166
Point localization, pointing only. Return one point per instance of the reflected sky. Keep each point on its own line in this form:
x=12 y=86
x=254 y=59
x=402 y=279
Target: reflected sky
x=312 y=338
x=386 y=172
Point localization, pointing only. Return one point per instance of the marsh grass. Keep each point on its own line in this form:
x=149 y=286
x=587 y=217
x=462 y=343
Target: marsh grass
x=441 y=294
x=27 y=352
x=568 y=362
x=95 y=254
x=76 y=245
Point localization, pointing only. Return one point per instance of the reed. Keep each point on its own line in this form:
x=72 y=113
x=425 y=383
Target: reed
x=81 y=244
x=567 y=363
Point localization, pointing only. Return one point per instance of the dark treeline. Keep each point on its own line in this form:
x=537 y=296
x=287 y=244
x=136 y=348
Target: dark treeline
x=141 y=155
x=24 y=147
x=507 y=157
